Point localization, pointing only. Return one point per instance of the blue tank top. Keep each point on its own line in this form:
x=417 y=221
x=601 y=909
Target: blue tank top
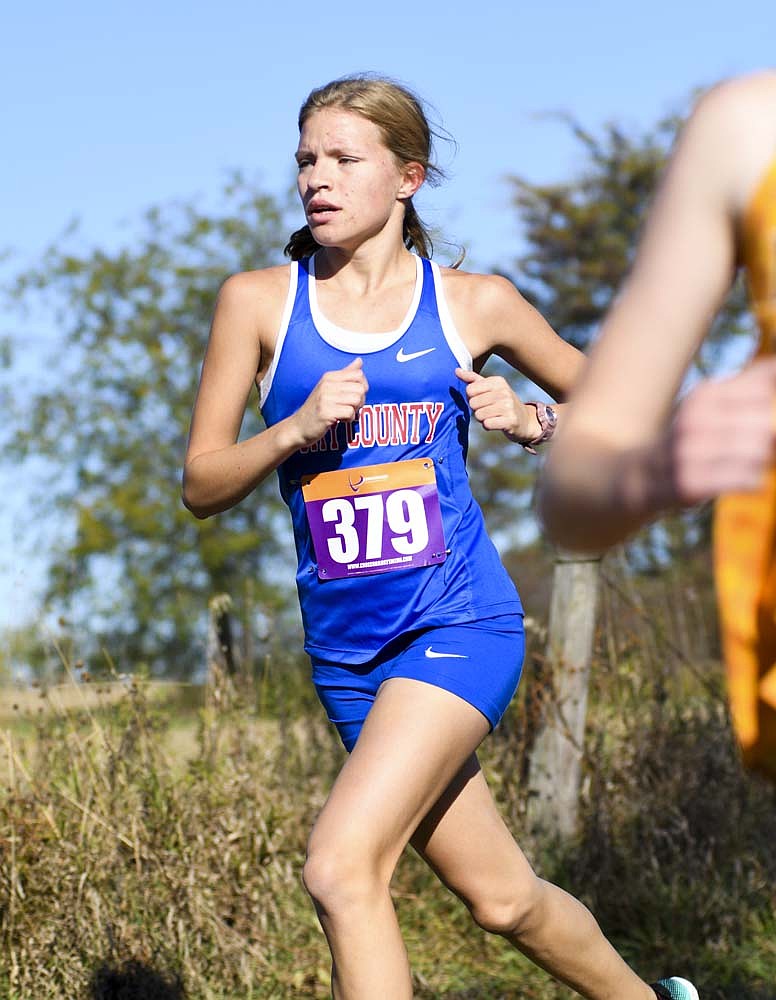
x=415 y=408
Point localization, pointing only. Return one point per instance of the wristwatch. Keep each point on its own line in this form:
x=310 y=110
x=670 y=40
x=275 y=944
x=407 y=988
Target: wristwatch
x=548 y=421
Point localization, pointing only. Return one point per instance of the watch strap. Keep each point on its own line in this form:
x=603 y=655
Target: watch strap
x=548 y=421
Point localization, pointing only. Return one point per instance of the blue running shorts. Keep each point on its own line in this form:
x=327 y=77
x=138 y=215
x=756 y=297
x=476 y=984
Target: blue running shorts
x=479 y=661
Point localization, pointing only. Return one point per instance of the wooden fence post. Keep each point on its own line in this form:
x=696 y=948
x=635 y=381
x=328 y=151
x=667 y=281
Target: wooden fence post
x=556 y=757
x=220 y=645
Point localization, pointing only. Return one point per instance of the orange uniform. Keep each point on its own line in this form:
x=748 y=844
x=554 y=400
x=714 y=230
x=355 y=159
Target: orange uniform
x=745 y=530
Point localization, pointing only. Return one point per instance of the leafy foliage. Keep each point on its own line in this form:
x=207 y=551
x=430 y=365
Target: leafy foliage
x=581 y=237
x=582 y=234
x=112 y=424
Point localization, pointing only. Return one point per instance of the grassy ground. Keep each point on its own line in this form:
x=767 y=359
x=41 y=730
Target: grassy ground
x=151 y=846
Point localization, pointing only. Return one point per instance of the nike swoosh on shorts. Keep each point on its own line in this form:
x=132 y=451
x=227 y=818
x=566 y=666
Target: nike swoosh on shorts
x=401 y=356
x=433 y=655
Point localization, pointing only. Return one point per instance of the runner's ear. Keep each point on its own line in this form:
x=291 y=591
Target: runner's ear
x=413 y=175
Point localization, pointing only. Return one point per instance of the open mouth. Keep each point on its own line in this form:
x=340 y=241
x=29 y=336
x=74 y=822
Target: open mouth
x=320 y=211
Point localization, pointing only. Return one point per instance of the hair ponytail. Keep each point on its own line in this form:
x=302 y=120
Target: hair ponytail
x=416 y=236
x=301 y=244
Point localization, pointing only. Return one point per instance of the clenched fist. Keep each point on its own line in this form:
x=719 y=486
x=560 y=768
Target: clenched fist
x=498 y=408
x=339 y=395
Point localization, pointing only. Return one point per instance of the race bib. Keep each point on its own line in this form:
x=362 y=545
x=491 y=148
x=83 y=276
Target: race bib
x=375 y=518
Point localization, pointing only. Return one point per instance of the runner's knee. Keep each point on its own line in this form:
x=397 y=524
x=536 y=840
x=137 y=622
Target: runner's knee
x=510 y=911
x=337 y=876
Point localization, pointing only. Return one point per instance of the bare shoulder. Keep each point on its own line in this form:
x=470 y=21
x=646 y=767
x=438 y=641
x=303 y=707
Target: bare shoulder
x=726 y=108
x=247 y=288
x=737 y=93
x=254 y=301
x=483 y=294
x=492 y=317
x=732 y=107
x=731 y=135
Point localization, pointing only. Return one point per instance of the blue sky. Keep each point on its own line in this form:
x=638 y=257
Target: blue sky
x=110 y=108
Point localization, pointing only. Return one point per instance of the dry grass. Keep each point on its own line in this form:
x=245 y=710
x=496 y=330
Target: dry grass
x=143 y=855
x=27 y=702
x=113 y=850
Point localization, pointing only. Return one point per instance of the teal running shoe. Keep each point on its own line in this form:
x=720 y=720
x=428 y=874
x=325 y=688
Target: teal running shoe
x=675 y=989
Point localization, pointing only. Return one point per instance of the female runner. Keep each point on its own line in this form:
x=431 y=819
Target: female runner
x=367 y=358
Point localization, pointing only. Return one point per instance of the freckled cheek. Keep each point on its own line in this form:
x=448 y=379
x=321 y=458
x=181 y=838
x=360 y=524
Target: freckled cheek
x=373 y=195
x=345 y=205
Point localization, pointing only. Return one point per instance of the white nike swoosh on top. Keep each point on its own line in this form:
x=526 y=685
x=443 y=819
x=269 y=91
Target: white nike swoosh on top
x=433 y=655
x=401 y=356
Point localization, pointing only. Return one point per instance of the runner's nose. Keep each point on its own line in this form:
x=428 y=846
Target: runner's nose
x=319 y=177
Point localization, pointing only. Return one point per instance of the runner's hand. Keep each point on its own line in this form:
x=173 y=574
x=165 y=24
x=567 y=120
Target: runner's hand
x=498 y=408
x=338 y=396
x=723 y=437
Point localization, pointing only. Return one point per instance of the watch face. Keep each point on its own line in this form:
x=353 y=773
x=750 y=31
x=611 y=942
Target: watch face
x=552 y=416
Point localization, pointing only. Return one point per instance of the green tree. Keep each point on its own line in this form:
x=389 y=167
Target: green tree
x=111 y=424
x=581 y=235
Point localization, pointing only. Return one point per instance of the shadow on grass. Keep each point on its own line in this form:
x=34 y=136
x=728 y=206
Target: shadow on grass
x=133 y=980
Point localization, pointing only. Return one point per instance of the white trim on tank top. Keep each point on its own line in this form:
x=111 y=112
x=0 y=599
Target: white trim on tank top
x=355 y=341
x=377 y=341
x=452 y=336
x=266 y=383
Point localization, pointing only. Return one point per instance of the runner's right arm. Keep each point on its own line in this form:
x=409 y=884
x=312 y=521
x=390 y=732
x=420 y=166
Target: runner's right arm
x=219 y=470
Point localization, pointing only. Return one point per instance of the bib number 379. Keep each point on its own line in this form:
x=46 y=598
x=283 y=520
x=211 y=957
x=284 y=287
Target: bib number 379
x=375 y=519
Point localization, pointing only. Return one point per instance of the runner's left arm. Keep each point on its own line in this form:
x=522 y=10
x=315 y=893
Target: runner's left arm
x=494 y=318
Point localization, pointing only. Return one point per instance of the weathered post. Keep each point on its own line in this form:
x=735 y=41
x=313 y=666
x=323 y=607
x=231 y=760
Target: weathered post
x=219 y=684
x=220 y=645
x=556 y=758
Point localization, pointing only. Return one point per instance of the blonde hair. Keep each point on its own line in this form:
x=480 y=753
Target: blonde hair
x=402 y=120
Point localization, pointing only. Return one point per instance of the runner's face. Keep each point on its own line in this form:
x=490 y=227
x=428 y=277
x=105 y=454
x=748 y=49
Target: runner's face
x=349 y=181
